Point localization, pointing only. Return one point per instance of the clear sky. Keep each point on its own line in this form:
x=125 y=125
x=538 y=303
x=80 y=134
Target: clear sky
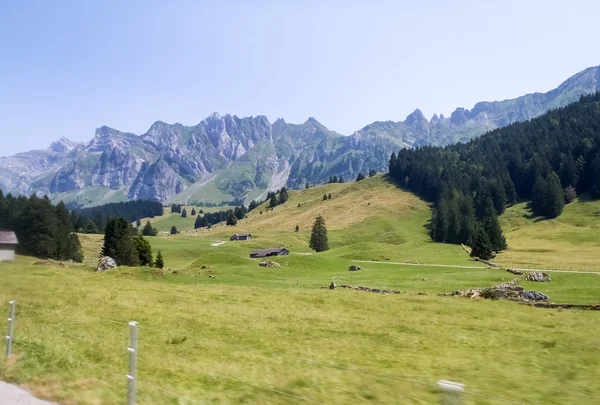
x=70 y=66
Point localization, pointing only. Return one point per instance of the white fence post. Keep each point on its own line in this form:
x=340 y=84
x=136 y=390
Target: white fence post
x=452 y=392
x=133 y=348
x=11 y=329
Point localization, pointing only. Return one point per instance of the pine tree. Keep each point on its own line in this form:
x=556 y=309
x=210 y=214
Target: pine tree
x=73 y=246
x=307 y=186
x=148 y=230
x=297 y=228
x=232 y=220
x=482 y=247
x=283 y=196
x=159 y=263
x=253 y=205
x=324 y=197
x=318 y=237
x=372 y=173
x=174 y=230
x=555 y=200
x=538 y=196
x=198 y=223
x=118 y=242
x=439 y=222
x=329 y=196
x=273 y=201
x=340 y=179
x=184 y=213
x=144 y=251
x=193 y=212
x=595 y=177
x=335 y=179
x=492 y=228
x=360 y=177
x=454 y=222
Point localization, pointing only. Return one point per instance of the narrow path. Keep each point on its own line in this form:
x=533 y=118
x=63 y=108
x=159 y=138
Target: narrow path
x=475 y=267
x=14 y=395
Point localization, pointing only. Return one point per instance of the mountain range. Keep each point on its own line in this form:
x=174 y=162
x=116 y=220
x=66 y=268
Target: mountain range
x=227 y=158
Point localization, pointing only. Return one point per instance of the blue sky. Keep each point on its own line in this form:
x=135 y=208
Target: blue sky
x=69 y=66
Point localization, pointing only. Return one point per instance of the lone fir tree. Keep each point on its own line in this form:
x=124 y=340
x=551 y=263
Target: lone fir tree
x=159 y=263
x=318 y=237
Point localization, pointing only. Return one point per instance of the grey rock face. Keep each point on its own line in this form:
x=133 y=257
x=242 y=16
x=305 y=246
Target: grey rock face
x=240 y=154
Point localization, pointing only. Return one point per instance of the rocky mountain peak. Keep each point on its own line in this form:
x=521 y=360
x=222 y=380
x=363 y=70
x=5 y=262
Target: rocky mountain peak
x=64 y=145
x=416 y=116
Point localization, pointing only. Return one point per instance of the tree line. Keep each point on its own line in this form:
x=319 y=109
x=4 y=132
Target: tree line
x=44 y=230
x=95 y=219
x=547 y=161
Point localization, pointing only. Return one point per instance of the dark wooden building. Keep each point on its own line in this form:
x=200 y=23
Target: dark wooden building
x=269 y=252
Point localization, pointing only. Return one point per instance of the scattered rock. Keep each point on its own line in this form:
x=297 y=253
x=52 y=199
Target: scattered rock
x=332 y=286
x=203 y=266
x=354 y=268
x=516 y=272
x=507 y=291
x=269 y=263
x=425 y=279
x=538 y=277
x=106 y=263
x=211 y=276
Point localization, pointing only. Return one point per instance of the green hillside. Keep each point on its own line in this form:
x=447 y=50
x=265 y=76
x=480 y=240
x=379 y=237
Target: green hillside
x=216 y=328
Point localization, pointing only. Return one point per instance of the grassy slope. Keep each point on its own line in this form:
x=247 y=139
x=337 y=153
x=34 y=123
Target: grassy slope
x=571 y=241
x=251 y=327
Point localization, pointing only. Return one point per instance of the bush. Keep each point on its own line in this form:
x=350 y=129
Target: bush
x=570 y=194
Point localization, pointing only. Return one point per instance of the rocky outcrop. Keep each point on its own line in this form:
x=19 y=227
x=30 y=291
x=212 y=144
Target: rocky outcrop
x=538 y=277
x=106 y=263
x=269 y=263
x=354 y=268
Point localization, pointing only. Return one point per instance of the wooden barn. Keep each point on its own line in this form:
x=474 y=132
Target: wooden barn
x=269 y=252
x=241 y=236
x=8 y=244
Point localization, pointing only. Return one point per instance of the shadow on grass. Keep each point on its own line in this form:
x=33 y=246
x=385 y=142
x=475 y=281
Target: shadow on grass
x=532 y=216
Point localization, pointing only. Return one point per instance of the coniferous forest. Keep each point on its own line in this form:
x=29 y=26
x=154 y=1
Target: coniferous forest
x=548 y=161
x=130 y=210
x=43 y=230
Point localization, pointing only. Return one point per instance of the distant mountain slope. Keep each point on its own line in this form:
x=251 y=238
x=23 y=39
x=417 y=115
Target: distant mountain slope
x=463 y=124
x=226 y=158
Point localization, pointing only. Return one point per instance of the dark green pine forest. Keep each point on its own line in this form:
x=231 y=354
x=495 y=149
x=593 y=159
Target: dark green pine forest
x=547 y=161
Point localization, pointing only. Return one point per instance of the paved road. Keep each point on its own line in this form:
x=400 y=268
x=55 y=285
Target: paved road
x=14 y=395
x=473 y=267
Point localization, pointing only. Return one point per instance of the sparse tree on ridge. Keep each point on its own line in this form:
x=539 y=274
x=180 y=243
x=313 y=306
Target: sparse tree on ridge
x=198 y=223
x=193 y=213
x=318 y=238
x=297 y=228
x=232 y=220
x=329 y=196
x=184 y=213
x=360 y=177
x=148 y=230
x=324 y=197
x=174 y=230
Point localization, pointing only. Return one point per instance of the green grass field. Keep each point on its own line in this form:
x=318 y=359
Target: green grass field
x=253 y=335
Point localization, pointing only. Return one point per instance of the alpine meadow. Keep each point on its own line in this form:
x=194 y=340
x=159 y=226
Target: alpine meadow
x=219 y=259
